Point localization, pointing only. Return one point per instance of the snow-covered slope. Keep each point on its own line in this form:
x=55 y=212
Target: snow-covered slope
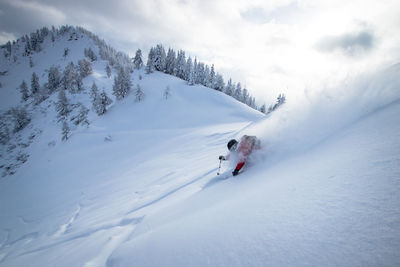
x=138 y=187
x=336 y=205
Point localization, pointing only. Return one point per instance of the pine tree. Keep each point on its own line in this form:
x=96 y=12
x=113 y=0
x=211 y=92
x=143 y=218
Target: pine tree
x=170 y=62
x=206 y=77
x=20 y=117
x=219 y=83
x=188 y=70
x=245 y=96
x=94 y=92
x=69 y=78
x=78 y=83
x=263 y=109
x=54 y=79
x=229 y=89
x=88 y=52
x=139 y=95
x=138 y=61
x=4 y=133
x=62 y=106
x=100 y=103
x=85 y=68
x=167 y=92
x=238 y=92
x=180 y=65
x=65 y=131
x=23 y=88
x=66 y=52
x=122 y=84
x=28 y=49
x=211 y=78
x=35 y=87
x=150 y=62
x=31 y=62
x=81 y=118
x=159 y=58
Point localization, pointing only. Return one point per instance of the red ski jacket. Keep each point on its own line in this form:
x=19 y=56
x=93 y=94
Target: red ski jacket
x=246 y=145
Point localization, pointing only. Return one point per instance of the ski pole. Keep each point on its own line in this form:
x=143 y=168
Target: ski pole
x=219 y=168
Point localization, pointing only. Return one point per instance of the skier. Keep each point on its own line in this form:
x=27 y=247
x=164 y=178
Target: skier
x=240 y=151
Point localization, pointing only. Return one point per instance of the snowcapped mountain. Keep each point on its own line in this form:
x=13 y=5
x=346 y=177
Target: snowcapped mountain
x=137 y=185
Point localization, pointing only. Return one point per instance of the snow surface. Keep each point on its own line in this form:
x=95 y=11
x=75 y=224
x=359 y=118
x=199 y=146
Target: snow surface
x=139 y=186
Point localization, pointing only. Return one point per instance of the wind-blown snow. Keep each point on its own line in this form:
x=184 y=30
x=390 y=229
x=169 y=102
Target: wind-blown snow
x=139 y=186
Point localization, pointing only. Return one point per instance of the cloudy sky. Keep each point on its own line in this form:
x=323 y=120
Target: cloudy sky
x=270 y=46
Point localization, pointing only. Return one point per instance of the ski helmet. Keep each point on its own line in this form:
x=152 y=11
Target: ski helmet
x=232 y=144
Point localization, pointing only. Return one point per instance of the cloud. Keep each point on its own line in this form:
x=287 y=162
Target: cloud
x=267 y=45
x=19 y=17
x=351 y=44
x=287 y=13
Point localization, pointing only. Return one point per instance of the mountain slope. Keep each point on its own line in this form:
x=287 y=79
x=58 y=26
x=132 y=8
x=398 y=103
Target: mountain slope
x=139 y=185
x=336 y=205
x=81 y=192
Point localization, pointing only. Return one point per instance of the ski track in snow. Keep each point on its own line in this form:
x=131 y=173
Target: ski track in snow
x=163 y=196
x=64 y=228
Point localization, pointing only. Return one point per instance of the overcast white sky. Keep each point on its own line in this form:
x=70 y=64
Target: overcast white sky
x=270 y=46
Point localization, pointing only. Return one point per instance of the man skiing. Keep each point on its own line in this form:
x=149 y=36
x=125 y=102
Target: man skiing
x=239 y=151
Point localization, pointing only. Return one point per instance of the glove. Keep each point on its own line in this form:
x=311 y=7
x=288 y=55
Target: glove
x=221 y=158
x=235 y=172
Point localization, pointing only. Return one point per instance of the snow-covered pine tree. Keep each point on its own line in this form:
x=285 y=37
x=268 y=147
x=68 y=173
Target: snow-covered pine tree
x=94 y=92
x=263 y=109
x=192 y=76
x=138 y=61
x=219 y=82
x=194 y=71
x=66 y=52
x=62 y=105
x=28 y=49
x=200 y=73
x=31 y=65
x=85 y=68
x=159 y=58
x=35 y=87
x=229 y=88
x=245 y=96
x=180 y=65
x=81 y=118
x=150 y=61
x=101 y=102
x=170 y=61
x=54 y=80
x=69 y=78
x=78 y=83
x=23 y=88
x=188 y=70
x=4 y=133
x=167 y=92
x=206 y=79
x=238 y=92
x=88 y=52
x=20 y=117
x=122 y=84
x=139 y=94
x=212 y=78
x=281 y=99
x=65 y=131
